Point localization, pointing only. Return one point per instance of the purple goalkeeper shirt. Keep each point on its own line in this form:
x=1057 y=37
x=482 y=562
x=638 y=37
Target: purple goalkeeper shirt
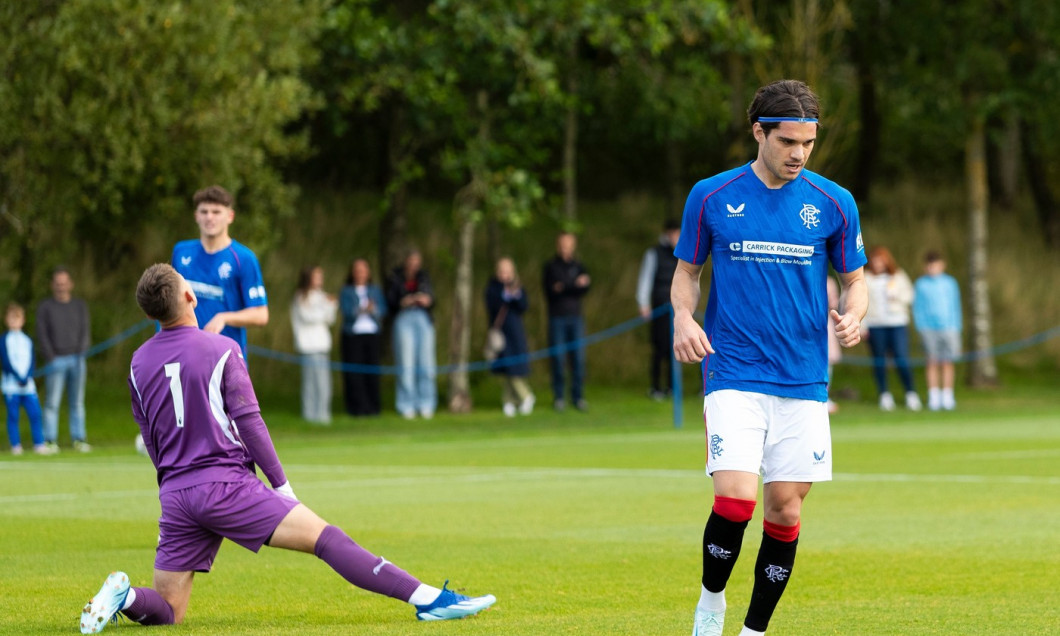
x=188 y=389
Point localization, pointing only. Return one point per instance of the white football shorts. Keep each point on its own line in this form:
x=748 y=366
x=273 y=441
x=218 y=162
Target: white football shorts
x=781 y=439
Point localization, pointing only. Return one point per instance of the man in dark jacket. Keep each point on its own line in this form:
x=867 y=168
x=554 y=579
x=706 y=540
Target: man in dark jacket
x=63 y=336
x=565 y=281
x=653 y=291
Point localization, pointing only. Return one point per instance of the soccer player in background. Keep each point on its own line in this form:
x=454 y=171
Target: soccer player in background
x=224 y=273
x=203 y=430
x=771 y=228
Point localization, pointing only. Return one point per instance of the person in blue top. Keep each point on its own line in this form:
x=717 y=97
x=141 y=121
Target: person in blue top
x=224 y=273
x=937 y=316
x=771 y=229
x=16 y=382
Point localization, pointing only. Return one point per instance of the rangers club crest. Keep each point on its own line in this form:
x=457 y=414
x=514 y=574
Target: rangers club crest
x=809 y=214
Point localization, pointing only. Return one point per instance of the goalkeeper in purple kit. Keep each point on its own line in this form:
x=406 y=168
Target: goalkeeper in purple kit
x=203 y=430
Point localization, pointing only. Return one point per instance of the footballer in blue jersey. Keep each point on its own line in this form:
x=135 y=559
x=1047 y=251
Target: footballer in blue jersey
x=771 y=229
x=770 y=249
x=224 y=273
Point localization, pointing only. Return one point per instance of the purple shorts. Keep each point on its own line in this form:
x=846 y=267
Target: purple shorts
x=195 y=519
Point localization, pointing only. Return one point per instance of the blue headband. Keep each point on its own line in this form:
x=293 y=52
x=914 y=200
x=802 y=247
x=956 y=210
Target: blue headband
x=797 y=120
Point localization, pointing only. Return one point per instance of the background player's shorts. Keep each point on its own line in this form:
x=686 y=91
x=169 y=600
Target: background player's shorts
x=943 y=345
x=782 y=439
x=195 y=519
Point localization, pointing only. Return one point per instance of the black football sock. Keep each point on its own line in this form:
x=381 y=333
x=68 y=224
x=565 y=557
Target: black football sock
x=776 y=559
x=721 y=546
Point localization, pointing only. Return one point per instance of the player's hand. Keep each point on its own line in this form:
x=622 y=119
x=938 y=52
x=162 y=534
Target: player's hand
x=216 y=324
x=847 y=329
x=690 y=342
x=285 y=490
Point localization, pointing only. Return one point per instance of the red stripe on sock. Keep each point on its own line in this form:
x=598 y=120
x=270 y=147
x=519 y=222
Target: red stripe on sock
x=735 y=510
x=787 y=534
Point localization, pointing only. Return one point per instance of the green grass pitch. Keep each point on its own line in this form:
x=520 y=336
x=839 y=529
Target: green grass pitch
x=578 y=523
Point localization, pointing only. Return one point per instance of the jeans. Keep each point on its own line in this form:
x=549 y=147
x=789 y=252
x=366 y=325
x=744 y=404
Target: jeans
x=563 y=330
x=31 y=403
x=414 y=356
x=893 y=340
x=69 y=372
x=316 y=388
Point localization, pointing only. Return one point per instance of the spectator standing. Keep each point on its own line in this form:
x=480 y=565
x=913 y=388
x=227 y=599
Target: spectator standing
x=410 y=296
x=363 y=308
x=506 y=302
x=887 y=322
x=224 y=273
x=63 y=336
x=937 y=316
x=653 y=290
x=566 y=281
x=16 y=382
x=312 y=315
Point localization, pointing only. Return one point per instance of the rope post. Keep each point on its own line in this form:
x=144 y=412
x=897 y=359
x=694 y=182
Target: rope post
x=675 y=373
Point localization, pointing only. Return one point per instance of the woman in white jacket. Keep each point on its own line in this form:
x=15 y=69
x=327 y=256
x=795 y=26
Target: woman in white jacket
x=312 y=315
x=887 y=322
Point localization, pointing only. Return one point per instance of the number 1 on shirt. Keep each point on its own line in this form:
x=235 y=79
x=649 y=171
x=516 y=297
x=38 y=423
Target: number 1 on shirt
x=177 y=391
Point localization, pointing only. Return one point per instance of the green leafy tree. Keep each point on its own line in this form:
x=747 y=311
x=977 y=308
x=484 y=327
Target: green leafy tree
x=113 y=112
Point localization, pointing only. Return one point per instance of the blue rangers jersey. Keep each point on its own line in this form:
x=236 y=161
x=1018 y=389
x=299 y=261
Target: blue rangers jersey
x=767 y=312
x=227 y=280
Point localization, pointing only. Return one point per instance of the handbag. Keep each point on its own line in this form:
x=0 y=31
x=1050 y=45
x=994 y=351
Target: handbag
x=495 y=340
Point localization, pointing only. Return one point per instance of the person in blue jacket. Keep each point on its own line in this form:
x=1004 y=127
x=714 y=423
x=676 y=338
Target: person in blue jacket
x=16 y=382
x=363 y=308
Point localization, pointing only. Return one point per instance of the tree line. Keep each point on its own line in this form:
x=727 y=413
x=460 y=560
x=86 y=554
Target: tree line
x=113 y=111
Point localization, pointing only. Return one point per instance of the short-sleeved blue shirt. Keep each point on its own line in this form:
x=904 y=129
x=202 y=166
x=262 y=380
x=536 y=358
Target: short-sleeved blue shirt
x=227 y=280
x=767 y=313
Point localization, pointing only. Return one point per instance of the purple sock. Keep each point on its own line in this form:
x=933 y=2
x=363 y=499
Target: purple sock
x=149 y=608
x=361 y=567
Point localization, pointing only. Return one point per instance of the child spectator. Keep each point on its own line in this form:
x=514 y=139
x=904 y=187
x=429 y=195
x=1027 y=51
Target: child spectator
x=20 y=392
x=937 y=316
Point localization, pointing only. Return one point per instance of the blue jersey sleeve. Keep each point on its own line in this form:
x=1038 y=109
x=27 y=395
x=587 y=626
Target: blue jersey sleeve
x=694 y=244
x=251 y=282
x=846 y=249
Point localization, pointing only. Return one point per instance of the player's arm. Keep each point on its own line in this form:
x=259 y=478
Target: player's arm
x=141 y=418
x=242 y=406
x=246 y=317
x=853 y=303
x=258 y=442
x=690 y=341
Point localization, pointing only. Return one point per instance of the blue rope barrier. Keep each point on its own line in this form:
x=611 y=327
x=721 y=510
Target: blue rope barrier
x=589 y=340
x=1000 y=350
x=479 y=365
